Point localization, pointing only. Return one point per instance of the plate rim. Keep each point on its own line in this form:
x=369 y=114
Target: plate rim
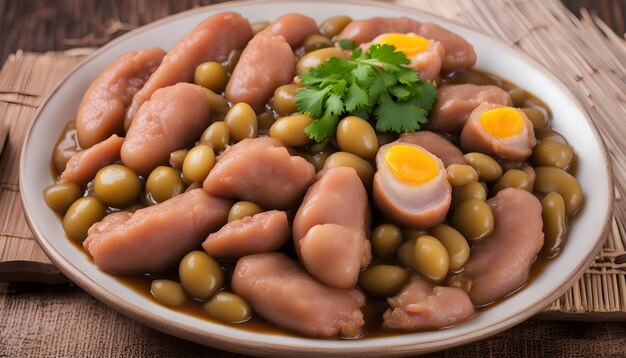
x=220 y=341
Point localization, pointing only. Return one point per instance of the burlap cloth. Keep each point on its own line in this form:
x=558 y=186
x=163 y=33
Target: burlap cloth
x=62 y=320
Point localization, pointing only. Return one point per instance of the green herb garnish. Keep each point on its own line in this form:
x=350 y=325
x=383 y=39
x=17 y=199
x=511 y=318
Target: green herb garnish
x=371 y=84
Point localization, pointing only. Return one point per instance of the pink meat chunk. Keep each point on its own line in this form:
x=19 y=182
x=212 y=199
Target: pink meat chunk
x=427 y=63
x=212 y=40
x=261 y=170
x=172 y=119
x=417 y=206
x=459 y=54
x=83 y=166
x=280 y=291
x=334 y=253
x=500 y=264
x=436 y=144
x=456 y=102
x=294 y=28
x=514 y=149
x=265 y=64
x=263 y=232
x=155 y=238
x=102 y=110
x=422 y=306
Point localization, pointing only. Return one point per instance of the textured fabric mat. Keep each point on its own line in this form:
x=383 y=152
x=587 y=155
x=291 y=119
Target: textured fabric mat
x=63 y=320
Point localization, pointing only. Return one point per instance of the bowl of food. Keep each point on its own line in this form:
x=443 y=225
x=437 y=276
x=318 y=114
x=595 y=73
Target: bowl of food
x=278 y=177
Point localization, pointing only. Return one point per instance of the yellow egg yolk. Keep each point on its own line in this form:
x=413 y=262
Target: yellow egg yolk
x=502 y=122
x=411 y=45
x=410 y=164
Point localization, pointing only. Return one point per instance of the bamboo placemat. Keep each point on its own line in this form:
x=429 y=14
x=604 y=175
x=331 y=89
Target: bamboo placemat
x=585 y=55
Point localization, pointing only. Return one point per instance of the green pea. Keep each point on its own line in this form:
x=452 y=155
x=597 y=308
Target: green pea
x=211 y=75
x=116 y=186
x=315 y=42
x=539 y=120
x=551 y=179
x=355 y=135
x=242 y=209
x=198 y=163
x=177 y=158
x=317 y=57
x=81 y=215
x=554 y=224
x=242 y=122
x=284 y=100
x=385 y=240
x=518 y=96
x=474 y=219
x=363 y=168
x=455 y=244
x=552 y=153
x=488 y=168
x=168 y=292
x=461 y=174
x=290 y=130
x=383 y=280
x=200 y=274
x=164 y=183
x=228 y=307
x=333 y=26
x=216 y=135
x=426 y=255
x=476 y=190
x=60 y=197
x=513 y=178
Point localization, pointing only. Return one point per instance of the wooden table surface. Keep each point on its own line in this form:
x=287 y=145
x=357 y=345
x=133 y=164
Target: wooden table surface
x=48 y=25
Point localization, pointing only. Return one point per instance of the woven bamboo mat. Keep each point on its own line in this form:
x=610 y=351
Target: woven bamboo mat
x=584 y=54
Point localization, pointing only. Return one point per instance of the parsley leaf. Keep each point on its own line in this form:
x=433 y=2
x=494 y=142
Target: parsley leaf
x=346 y=44
x=373 y=85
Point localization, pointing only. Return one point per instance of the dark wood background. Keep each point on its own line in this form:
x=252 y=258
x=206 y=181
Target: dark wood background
x=47 y=25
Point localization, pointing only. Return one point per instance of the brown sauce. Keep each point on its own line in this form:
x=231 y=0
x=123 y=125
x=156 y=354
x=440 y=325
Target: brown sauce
x=374 y=308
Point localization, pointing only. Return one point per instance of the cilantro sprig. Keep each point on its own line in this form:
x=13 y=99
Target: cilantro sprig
x=373 y=84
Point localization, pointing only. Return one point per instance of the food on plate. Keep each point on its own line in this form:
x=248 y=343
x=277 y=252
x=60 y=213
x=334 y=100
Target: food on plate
x=426 y=56
x=383 y=281
x=278 y=289
x=260 y=170
x=350 y=180
x=500 y=131
x=331 y=227
x=456 y=102
x=103 y=107
x=84 y=165
x=266 y=63
x=459 y=54
x=200 y=275
x=263 y=232
x=168 y=121
x=242 y=122
x=154 y=238
x=500 y=263
x=436 y=144
x=212 y=40
x=411 y=186
x=294 y=28
x=422 y=306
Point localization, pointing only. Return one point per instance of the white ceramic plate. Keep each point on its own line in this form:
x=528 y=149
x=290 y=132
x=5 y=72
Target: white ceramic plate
x=583 y=242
